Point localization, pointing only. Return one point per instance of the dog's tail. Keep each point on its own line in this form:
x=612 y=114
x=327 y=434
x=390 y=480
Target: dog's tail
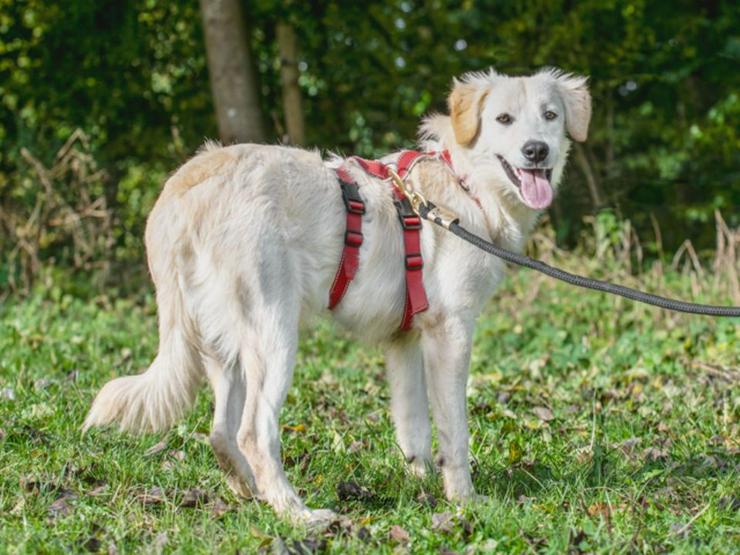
x=154 y=400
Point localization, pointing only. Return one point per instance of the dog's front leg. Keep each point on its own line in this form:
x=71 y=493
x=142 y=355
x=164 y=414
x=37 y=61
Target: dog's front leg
x=409 y=404
x=446 y=349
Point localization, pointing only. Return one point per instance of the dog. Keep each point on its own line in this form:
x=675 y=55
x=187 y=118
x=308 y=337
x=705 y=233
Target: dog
x=243 y=244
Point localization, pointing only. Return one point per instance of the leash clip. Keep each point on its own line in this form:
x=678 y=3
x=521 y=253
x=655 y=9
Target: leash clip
x=415 y=198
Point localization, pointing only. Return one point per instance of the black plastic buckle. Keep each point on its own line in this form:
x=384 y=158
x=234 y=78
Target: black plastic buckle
x=351 y=196
x=414 y=262
x=409 y=218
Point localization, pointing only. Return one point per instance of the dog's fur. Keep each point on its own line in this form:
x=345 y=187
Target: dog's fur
x=243 y=245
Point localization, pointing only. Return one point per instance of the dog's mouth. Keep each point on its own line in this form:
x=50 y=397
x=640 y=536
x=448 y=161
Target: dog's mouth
x=533 y=184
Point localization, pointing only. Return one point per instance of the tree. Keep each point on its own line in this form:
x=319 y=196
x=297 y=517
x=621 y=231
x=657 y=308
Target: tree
x=292 y=105
x=233 y=79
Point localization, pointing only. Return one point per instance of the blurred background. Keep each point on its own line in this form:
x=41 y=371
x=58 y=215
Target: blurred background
x=100 y=100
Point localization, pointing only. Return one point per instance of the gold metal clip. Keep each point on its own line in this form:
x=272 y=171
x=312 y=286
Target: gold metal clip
x=415 y=198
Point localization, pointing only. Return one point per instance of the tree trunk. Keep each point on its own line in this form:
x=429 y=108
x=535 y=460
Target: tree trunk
x=233 y=79
x=597 y=198
x=292 y=106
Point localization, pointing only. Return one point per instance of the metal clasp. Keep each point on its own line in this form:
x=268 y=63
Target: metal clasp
x=415 y=198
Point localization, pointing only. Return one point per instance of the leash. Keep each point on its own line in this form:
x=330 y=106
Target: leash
x=430 y=212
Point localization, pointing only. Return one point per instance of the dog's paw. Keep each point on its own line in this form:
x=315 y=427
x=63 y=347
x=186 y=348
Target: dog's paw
x=239 y=487
x=419 y=466
x=317 y=519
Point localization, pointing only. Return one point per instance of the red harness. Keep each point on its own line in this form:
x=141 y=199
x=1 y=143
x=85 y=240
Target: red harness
x=416 y=298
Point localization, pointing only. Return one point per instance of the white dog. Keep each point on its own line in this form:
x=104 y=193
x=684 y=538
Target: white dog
x=243 y=245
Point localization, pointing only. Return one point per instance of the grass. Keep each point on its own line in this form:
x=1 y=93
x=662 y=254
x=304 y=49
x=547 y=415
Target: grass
x=597 y=426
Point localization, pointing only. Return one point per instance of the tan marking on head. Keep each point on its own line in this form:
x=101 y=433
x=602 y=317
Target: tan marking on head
x=465 y=103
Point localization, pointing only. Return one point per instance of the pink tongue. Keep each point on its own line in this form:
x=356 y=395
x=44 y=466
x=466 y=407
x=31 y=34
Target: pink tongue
x=535 y=188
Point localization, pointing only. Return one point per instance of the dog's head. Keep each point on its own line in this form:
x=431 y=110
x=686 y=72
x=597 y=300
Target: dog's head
x=513 y=129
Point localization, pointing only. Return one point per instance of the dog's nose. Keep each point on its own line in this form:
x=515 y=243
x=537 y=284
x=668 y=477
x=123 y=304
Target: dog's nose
x=535 y=151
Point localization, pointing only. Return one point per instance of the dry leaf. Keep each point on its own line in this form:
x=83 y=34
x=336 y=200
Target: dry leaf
x=396 y=533
x=427 y=499
x=61 y=507
x=599 y=509
x=193 y=498
x=543 y=413
x=219 y=508
x=156 y=448
x=443 y=521
x=352 y=490
x=153 y=496
x=655 y=454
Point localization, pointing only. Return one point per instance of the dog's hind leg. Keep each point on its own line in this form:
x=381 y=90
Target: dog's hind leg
x=267 y=358
x=230 y=392
x=409 y=403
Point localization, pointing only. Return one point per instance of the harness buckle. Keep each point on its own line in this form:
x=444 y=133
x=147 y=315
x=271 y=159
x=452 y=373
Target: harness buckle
x=351 y=196
x=406 y=214
x=353 y=238
x=414 y=262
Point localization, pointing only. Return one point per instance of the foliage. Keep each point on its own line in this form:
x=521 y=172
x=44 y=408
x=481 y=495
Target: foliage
x=597 y=425
x=132 y=76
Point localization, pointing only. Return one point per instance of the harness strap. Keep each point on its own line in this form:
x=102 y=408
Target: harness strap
x=416 y=298
x=350 y=260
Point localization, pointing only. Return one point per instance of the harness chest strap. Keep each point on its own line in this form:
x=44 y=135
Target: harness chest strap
x=350 y=260
x=416 y=299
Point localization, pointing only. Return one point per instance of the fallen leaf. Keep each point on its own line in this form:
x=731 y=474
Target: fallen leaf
x=219 y=508
x=308 y=545
x=443 y=521
x=153 y=496
x=427 y=499
x=655 y=454
x=179 y=455
x=41 y=383
x=599 y=509
x=98 y=490
x=297 y=428
x=398 y=534
x=352 y=490
x=91 y=544
x=156 y=448
x=543 y=413
x=584 y=455
x=61 y=507
x=355 y=446
x=193 y=498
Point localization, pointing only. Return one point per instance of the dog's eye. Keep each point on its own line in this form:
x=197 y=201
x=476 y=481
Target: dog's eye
x=504 y=119
x=550 y=115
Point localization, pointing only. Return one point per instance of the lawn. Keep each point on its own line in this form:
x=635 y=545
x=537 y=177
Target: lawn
x=597 y=425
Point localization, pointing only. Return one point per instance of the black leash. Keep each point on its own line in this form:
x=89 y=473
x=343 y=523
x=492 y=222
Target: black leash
x=429 y=211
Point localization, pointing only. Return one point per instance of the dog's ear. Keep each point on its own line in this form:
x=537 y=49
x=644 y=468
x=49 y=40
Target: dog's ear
x=577 y=99
x=465 y=103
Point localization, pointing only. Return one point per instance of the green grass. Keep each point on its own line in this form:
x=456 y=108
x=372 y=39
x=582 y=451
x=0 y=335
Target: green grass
x=639 y=453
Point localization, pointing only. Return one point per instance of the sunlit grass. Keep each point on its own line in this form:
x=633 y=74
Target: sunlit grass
x=597 y=426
